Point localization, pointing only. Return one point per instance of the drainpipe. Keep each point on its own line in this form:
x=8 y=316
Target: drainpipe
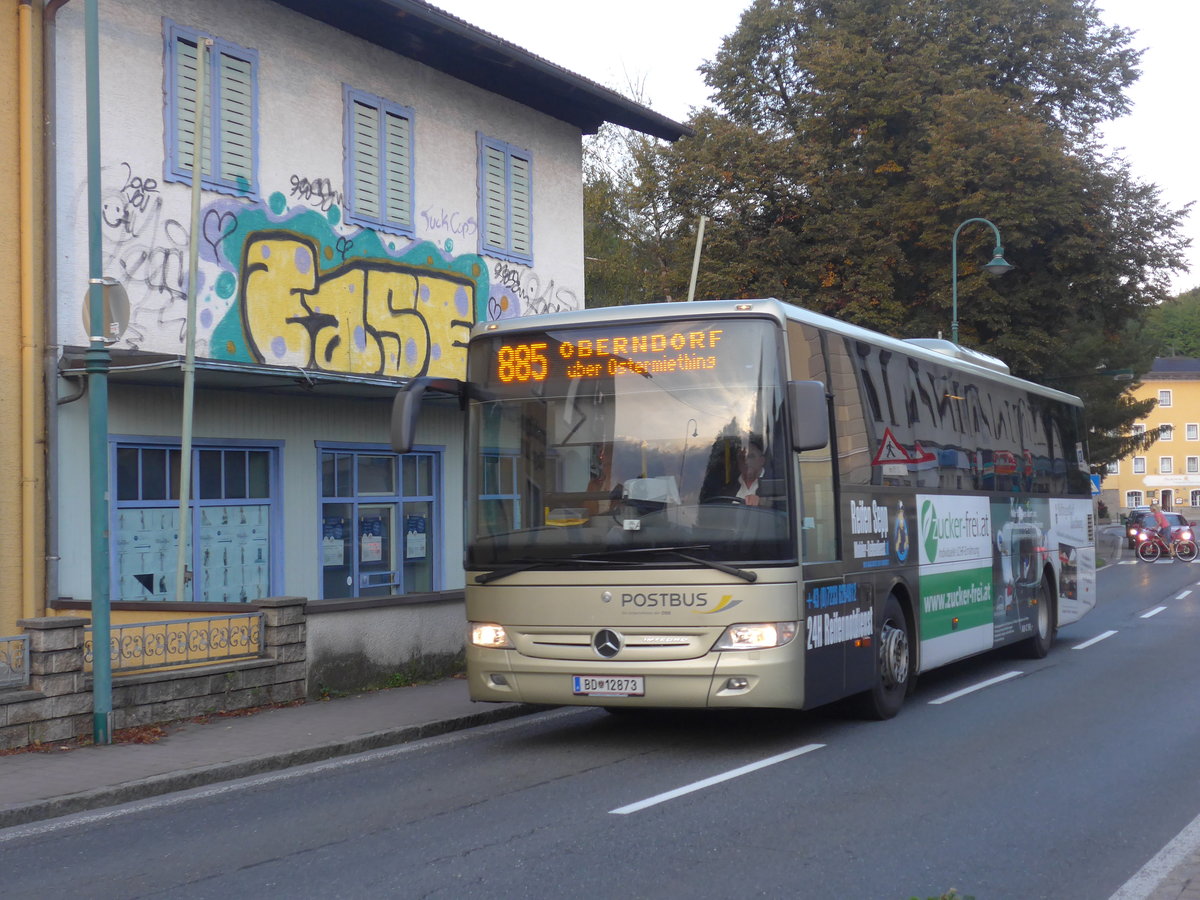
x=98 y=359
x=31 y=323
x=50 y=292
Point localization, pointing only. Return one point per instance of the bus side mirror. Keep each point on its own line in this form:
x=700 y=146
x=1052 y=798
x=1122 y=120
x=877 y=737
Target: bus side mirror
x=407 y=406
x=809 y=415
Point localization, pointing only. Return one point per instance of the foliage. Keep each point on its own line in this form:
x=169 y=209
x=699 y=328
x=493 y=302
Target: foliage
x=1173 y=328
x=852 y=137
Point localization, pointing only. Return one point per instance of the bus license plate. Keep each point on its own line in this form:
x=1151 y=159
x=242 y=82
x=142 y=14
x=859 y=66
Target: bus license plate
x=609 y=685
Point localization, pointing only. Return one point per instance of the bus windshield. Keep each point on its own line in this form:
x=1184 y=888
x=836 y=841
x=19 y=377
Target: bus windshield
x=632 y=444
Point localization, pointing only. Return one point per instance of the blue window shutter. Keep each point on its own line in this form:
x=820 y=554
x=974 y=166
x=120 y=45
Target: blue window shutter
x=186 y=67
x=495 y=206
x=364 y=139
x=521 y=242
x=236 y=126
x=396 y=156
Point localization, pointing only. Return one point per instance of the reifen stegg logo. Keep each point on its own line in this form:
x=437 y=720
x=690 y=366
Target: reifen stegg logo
x=607 y=643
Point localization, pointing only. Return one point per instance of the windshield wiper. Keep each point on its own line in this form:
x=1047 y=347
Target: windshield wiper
x=603 y=558
x=679 y=553
x=524 y=565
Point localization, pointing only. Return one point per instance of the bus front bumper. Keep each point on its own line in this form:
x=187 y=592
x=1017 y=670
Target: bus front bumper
x=755 y=678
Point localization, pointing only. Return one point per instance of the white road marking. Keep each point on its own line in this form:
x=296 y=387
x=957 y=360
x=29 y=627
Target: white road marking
x=716 y=779
x=975 y=687
x=1097 y=639
x=1153 y=612
x=1184 y=594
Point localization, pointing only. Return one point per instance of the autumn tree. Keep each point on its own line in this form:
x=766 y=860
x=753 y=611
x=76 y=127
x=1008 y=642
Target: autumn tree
x=850 y=138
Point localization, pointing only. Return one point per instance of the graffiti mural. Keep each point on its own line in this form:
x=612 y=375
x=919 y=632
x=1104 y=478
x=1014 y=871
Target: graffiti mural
x=293 y=288
x=286 y=281
x=365 y=316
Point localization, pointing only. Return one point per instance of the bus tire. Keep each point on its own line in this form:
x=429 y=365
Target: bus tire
x=1045 y=625
x=1149 y=551
x=894 y=663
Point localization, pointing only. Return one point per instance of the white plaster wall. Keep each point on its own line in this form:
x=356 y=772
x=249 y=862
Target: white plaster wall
x=383 y=638
x=301 y=70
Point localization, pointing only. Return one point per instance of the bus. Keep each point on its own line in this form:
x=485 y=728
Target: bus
x=747 y=504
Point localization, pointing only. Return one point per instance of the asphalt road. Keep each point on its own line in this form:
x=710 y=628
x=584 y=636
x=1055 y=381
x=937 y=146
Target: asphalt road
x=1051 y=778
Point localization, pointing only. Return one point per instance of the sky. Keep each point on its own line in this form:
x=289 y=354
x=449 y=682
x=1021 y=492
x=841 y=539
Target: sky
x=659 y=45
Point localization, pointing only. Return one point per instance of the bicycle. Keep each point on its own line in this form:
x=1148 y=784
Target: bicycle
x=1151 y=546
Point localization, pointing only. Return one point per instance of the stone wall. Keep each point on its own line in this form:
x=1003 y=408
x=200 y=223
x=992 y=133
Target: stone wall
x=58 y=703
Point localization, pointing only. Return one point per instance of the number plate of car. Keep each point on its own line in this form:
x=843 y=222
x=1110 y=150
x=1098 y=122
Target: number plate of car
x=609 y=685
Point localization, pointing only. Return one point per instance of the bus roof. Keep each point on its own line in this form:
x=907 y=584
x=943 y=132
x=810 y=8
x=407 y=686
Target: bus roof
x=954 y=356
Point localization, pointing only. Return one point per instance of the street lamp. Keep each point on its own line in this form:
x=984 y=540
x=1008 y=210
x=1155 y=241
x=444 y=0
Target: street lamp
x=998 y=266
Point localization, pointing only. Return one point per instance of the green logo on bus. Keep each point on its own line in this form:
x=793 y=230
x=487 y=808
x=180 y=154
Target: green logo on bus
x=929 y=530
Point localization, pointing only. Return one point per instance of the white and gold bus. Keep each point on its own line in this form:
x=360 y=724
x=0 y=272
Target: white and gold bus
x=733 y=504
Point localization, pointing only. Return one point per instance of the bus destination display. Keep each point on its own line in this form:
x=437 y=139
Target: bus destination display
x=526 y=359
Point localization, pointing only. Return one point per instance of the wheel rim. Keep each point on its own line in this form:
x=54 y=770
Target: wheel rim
x=893 y=654
x=1043 y=614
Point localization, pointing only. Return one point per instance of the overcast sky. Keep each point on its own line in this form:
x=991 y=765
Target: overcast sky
x=660 y=43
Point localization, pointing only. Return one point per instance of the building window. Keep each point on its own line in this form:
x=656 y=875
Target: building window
x=381 y=521
x=378 y=162
x=1164 y=398
x=1193 y=465
x=499 y=496
x=1195 y=498
x=230 y=154
x=1192 y=432
x=232 y=514
x=505 y=201
x=1138 y=430
x=1132 y=499
x=1164 y=465
x=1114 y=468
x=1139 y=465
x=1167 y=433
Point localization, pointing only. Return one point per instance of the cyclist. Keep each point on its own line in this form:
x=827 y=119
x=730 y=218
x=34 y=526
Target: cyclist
x=1164 y=527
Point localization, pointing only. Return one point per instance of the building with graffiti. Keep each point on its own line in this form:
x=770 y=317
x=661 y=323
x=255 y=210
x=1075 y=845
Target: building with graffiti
x=376 y=176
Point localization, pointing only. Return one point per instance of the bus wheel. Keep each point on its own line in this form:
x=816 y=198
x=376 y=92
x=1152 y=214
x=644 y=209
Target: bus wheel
x=894 y=664
x=1044 y=625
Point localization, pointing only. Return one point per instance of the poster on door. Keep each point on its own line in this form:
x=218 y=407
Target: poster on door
x=370 y=535
x=414 y=537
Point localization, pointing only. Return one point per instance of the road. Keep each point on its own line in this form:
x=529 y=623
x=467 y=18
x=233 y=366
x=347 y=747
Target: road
x=1002 y=777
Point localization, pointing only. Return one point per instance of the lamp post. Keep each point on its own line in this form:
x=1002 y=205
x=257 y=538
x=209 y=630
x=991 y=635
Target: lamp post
x=998 y=266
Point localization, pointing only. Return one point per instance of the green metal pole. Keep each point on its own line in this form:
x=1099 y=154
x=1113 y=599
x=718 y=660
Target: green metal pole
x=97 y=365
x=189 y=355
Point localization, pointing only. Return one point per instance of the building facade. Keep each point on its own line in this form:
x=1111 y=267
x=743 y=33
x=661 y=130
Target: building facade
x=376 y=176
x=1168 y=472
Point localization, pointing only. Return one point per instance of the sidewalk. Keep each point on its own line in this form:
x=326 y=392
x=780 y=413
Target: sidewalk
x=42 y=785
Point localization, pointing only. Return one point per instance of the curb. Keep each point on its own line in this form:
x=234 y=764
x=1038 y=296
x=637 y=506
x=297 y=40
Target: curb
x=156 y=785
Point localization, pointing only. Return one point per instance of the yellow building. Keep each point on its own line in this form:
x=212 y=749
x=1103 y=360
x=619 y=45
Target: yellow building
x=1169 y=471
x=22 y=320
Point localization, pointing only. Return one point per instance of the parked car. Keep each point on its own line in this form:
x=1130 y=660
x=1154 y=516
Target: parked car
x=1180 y=527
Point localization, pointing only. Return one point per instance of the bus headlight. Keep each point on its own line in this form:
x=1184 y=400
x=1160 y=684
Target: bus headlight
x=756 y=636
x=486 y=634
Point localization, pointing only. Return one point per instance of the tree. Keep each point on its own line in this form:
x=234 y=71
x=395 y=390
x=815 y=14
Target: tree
x=1173 y=328
x=850 y=139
